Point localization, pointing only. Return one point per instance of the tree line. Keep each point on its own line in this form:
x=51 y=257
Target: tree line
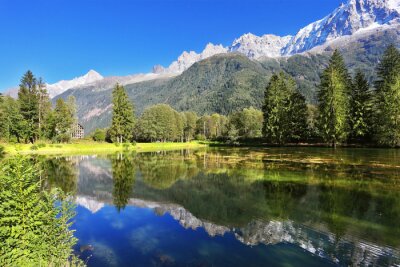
x=31 y=117
x=349 y=110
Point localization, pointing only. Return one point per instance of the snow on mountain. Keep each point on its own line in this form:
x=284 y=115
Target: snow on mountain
x=345 y=20
x=62 y=86
x=256 y=47
x=187 y=59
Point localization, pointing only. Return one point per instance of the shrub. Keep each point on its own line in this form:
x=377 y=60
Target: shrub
x=133 y=143
x=99 y=135
x=34 y=223
x=34 y=147
x=41 y=145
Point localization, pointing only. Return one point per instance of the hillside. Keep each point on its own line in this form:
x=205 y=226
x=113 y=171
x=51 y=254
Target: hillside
x=229 y=82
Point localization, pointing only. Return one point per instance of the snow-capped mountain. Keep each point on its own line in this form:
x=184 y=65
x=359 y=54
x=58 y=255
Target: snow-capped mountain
x=356 y=18
x=345 y=20
x=62 y=86
x=187 y=59
x=256 y=47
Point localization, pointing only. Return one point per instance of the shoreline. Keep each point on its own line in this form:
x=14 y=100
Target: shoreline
x=82 y=148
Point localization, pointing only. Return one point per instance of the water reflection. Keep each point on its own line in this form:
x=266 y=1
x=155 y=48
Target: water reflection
x=344 y=207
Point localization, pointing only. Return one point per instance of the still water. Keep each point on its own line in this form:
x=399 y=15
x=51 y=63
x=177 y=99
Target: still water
x=235 y=207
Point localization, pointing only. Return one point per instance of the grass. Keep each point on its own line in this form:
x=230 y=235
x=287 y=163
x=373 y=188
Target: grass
x=91 y=147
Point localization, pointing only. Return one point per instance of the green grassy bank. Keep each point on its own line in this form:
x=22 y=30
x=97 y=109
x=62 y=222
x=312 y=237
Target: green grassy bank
x=90 y=147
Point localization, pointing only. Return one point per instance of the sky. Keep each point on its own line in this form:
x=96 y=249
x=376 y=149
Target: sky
x=63 y=39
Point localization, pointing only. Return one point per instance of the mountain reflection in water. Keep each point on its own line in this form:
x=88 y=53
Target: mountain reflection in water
x=341 y=207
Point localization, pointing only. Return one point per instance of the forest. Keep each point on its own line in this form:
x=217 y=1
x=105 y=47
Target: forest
x=349 y=110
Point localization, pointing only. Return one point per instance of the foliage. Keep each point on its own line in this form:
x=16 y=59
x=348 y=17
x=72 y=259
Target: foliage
x=160 y=123
x=360 y=108
x=387 y=99
x=333 y=101
x=284 y=108
x=249 y=122
x=99 y=135
x=34 y=224
x=123 y=118
x=123 y=171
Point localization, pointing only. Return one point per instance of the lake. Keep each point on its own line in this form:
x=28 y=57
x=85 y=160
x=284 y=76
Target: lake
x=235 y=207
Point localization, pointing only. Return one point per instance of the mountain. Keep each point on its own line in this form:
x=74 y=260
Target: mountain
x=226 y=79
x=61 y=86
x=345 y=20
x=256 y=47
x=187 y=59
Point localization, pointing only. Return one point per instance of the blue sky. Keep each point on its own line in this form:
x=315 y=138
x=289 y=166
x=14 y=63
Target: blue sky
x=62 y=39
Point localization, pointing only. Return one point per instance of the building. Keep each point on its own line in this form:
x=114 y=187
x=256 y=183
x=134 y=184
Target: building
x=78 y=132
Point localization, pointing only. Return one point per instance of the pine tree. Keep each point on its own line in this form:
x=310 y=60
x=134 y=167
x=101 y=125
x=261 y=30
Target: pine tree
x=123 y=117
x=360 y=108
x=123 y=171
x=333 y=100
x=29 y=105
x=387 y=99
x=298 y=114
x=44 y=106
x=278 y=107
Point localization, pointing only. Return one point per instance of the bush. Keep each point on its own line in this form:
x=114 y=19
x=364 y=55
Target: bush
x=126 y=146
x=200 y=137
x=133 y=143
x=34 y=147
x=63 y=138
x=99 y=135
x=41 y=145
x=34 y=223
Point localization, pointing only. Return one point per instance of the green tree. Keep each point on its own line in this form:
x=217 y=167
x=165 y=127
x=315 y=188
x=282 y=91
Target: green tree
x=99 y=135
x=12 y=124
x=360 y=108
x=62 y=120
x=160 y=123
x=190 y=120
x=123 y=171
x=34 y=229
x=249 y=121
x=28 y=96
x=276 y=108
x=298 y=114
x=333 y=101
x=123 y=116
x=44 y=106
x=387 y=99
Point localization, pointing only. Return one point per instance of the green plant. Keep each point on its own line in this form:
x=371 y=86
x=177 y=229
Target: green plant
x=41 y=145
x=34 y=147
x=34 y=224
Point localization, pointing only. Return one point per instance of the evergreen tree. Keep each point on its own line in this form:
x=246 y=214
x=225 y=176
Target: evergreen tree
x=28 y=96
x=298 y=114
x=44 y=106
x=387 y=99
x=12 y=124
x=276 y=108
x=333 y=100
x=360 y=108
x=123 y=117
x=123 y=171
